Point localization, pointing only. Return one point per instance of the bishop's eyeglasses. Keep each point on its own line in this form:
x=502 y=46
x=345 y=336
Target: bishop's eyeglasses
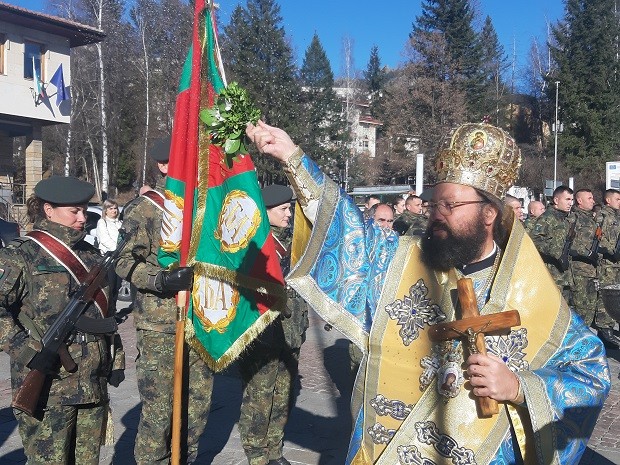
x=445 y=208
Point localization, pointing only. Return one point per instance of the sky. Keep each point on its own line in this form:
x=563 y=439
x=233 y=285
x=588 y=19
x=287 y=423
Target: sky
x=387 y=24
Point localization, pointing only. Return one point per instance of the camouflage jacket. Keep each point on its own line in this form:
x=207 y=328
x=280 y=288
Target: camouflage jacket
x=529 y=223
x=549 y=235
x=295 y=325
x=583 y=262
x=153 y=310
x=34 y=288
x=609 y=220
x=411 y=224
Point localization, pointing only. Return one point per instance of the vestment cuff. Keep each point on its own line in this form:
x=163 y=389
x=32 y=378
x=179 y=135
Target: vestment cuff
x=306 y=188
x=520 y=397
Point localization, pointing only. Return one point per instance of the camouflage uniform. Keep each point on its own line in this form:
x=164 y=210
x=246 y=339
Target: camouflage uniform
x=549 y=235
x=529 y=223
x=155 y=321
x=410 y=224
x=269 y=369
x=609 y=266
x=34 y=287
x=583 y=265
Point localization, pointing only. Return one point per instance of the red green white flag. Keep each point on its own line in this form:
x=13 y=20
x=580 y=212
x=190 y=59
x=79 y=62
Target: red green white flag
x=215 y=219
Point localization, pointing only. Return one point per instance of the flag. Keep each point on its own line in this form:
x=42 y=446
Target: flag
x=58 y=80
x=38 y=89
x=215 y=219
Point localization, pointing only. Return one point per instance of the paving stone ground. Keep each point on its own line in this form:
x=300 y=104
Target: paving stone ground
x=319 y=427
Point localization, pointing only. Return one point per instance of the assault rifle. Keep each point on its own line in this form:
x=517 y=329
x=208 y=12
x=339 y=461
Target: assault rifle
x=596 y=243
x=69 y=319
x=563 y=261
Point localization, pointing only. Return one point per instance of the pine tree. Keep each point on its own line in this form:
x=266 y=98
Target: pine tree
x=587 y=67
x=453 y=19
x=375 y=75
x=323 y=119
x=375 y=80
x=258 y=56
x=494 y=64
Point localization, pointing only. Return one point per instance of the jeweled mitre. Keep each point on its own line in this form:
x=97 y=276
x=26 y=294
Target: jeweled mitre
x=481 y=156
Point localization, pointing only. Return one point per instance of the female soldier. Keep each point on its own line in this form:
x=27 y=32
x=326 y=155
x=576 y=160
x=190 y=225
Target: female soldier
x=38 y=275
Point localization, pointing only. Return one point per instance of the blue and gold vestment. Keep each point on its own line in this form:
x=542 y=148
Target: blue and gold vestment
x=372 y=286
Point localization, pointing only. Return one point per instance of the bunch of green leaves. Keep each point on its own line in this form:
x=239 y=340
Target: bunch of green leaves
x=227 y=119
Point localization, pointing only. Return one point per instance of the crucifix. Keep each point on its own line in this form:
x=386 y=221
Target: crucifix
x=472 y=326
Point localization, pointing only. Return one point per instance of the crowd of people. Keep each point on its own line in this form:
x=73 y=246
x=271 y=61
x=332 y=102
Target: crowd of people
x=395 y=284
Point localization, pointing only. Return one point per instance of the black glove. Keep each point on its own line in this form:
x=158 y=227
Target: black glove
x=116 y=377
x=179 y=279
x=46 y=362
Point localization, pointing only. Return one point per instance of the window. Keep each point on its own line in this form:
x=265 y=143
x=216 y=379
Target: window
x=2 y=52
x=33 y=60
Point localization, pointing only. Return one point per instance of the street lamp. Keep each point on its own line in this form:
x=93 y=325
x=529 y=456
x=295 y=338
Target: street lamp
x=556 y=129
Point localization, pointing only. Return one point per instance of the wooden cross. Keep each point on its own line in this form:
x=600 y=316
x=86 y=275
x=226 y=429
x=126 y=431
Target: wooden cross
x=473 y=326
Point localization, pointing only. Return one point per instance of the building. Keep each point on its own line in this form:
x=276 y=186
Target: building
x=363 y=125
x=33 y=48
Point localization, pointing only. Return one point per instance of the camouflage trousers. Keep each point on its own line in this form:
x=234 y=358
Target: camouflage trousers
x=607 y=276
x=154 y=370
x=268 y=374
x=585 y=297
x=66 y=434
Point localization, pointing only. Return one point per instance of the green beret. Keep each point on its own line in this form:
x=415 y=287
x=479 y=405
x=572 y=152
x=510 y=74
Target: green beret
x=275 y=194
x=160 y=151
x=64 y=190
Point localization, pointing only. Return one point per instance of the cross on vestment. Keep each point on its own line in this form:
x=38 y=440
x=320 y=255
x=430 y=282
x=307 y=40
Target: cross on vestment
x=473 y=327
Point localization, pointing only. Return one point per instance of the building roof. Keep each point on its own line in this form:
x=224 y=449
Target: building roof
x=78 y=34
x=367 y=119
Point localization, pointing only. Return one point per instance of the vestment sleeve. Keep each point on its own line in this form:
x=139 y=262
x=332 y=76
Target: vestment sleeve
x=566 y=395
x=341 y=272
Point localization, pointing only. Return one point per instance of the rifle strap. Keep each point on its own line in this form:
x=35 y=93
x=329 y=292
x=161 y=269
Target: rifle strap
x=155 y=197
x=68 y=258
x=282 y=251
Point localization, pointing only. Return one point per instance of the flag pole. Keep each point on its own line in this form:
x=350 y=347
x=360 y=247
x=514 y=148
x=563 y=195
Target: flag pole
x=188 y=205
x=177 y=387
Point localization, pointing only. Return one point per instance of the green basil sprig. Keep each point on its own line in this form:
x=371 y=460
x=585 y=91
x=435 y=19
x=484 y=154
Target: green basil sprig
x=227 y=119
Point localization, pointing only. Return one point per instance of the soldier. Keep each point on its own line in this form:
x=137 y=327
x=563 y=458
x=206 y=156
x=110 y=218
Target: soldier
x=155 y=321
x=551 y=235
x=399 y=206
x=36 y=280
x=515 y=204
x=269 y=369
x=384 y=215
x=412 y=221
x=609 y=264
x=534 y=210
x=584 y=256
x=371 y=201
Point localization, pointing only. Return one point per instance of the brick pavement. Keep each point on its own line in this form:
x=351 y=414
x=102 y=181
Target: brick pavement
x=319 y=427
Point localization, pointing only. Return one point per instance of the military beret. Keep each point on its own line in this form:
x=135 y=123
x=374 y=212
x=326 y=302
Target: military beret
x=64 y=190
x=275 y=194
x=160 y=151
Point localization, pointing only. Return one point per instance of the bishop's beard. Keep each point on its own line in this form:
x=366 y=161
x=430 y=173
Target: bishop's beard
x=456 y=249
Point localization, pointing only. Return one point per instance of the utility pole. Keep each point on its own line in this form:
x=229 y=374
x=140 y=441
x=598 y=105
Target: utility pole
x=556 y=129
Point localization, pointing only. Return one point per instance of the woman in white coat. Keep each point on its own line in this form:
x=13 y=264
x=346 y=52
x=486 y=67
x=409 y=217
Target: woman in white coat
x=107 y=235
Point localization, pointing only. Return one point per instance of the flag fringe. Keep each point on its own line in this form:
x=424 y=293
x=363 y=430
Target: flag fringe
x=236 y=279
x=236 y=349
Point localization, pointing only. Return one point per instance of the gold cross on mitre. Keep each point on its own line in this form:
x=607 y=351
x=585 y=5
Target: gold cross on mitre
x=473 y=327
